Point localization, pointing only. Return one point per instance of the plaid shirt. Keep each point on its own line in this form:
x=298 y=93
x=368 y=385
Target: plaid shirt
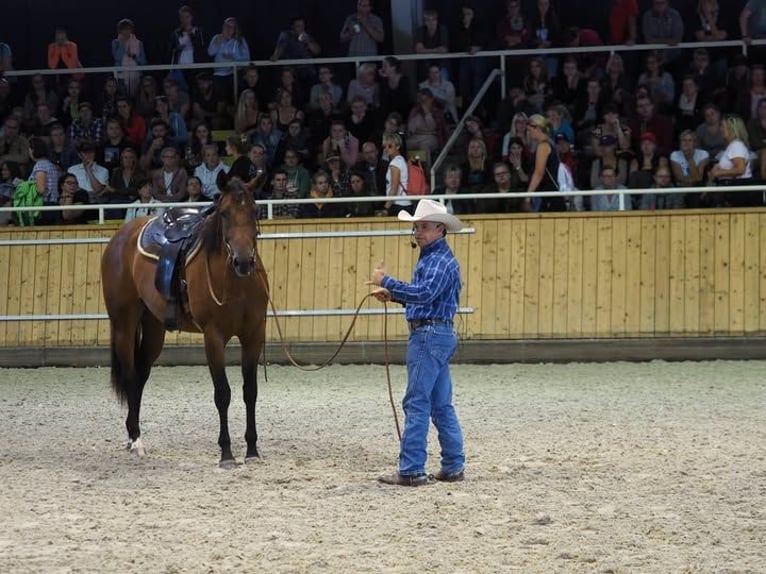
x=95 y=132
x=435 y=288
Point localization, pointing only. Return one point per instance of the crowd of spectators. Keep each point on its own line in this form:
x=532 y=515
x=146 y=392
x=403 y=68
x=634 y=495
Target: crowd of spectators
x=664 y=118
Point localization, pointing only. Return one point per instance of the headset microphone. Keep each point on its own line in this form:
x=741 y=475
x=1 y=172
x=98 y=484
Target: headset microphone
x=413 y=244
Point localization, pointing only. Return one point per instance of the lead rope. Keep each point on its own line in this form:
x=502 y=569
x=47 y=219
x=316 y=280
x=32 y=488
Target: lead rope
x=340 y=346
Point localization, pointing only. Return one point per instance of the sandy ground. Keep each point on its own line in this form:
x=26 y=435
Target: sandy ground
x=654 y=467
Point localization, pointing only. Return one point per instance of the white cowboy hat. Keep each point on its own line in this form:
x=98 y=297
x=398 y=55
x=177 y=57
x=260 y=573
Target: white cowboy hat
x=430 y=210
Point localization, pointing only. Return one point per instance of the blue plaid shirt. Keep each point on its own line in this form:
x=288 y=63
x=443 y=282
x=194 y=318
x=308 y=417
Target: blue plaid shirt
x=435 y=288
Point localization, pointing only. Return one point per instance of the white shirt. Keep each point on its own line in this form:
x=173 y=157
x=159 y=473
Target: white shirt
x=142 y=209
x=401 y=163
x=736 y=149
x=83 y=182
x=208 y=178
x=678 y=157
x=187 y=50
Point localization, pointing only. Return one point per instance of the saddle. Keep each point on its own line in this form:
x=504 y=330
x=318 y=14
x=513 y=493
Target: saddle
x=171 y=238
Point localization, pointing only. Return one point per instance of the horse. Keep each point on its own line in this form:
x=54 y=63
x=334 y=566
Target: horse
x=227 y=288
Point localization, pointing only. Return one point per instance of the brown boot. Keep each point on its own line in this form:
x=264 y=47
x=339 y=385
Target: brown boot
x=404 y=479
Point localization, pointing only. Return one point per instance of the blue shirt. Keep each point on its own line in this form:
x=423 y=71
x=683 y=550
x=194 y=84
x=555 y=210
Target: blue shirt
x=435 y=288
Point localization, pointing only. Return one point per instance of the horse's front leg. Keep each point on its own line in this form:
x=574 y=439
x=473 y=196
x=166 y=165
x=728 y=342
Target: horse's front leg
x=252 y=346
x=214 y=349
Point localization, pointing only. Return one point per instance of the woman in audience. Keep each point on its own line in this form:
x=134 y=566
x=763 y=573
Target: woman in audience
x=518 y=130
x=146 y=98
x=710 y=133
x=394 y=88
x=123 y=180
x=174 y=121
x=734 y=165
x=397 y=176
x=128 y=52
x=178 y=98
x=477 y=168
x=108 y=99
x=545 y=31
x=194 y=190
x=359 y=188
x=616 y=84
x=688 y=111
x=325 y=84
x=113 y=145
x=569 y=87
x=246 y=118
x=339 y=175
x=240 y=166
x=365 y=85
x=606 y=156
x=225 y=48
x=443 y=92
x=132 y=124
x=747 y=104
x=688 y=165
x=320 y=189
x=518 y=160
x=38 y=94
x=659 y=81
x=559 y=122
x=318 y=122
x=545 y=162
x=259 y=171
x=611 y=125
x=283 y=111
x=142 y=206
x=288 y=81
x=297 y=139
x=536 y=84
x=426 y=128
x=201 y=136
x=645 y=164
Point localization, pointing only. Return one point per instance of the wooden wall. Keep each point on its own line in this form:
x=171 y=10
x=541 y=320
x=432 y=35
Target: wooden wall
x=690 y=274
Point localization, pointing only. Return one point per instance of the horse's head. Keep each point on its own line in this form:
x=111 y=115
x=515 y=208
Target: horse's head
x=238 y=226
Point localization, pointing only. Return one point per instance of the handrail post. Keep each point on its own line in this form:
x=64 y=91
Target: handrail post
x=503 y=78
x=621 y=200
x=101 y=216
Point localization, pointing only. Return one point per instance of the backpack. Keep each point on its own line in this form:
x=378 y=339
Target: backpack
x=417 y=184
x=564 y=179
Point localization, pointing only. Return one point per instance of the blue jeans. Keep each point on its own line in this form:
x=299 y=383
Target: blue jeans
x=429 y=395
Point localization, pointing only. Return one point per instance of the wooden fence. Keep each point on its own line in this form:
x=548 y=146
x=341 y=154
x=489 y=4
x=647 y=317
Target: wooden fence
x=563 y=276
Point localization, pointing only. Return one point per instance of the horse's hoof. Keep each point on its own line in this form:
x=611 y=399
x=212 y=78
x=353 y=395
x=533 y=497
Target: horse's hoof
x=137 y=448
x=228 y=463
x=253 y=459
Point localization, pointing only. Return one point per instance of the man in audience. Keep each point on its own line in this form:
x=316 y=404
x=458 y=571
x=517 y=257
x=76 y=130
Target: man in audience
x=362 y=31
x=62 y=152
x=169 y=181
x=647 y=120
x=86 y=127
x=153 y=146
x=431 y=38
x=13 y=146
x=662 y=180
x=279 y=191
x=663 y=25
x=209 y=169
x=609 y=202
x=374 y=168
x=91 y=177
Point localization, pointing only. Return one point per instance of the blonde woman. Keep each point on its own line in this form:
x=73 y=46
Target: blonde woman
x=396 y=175
x=477 y=168
x=518 y=130
x=545 y=163
x=734 y=165
x=246 y=118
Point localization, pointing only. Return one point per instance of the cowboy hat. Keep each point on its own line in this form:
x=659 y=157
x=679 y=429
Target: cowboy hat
x=430 y=210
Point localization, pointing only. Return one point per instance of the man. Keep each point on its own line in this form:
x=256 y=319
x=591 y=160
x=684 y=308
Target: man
x=187 y=45
x=62 y=152
x=298 y=177
x=342 y=141
x=209 y=170
x=752 y=21
x=91 y=177
x=505 y=184
x=452 y=186
x=374 y=168
x=431 y=301
x=153 y=146
x=295 y=43
x=431 y=38
x=623 y=20
x=646 y=120
x=86 y=127
x=279 y=190
x=362 y=31
x=663 y=25
x=268 y=137
x=662 y=180
x=13 y=146
x=611 y=201
x=169 y=181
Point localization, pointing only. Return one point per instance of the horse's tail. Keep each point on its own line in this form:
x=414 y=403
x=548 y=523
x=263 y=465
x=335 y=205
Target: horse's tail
x=119 y=373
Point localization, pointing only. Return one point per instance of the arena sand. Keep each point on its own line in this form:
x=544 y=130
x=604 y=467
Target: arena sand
x=653 y=467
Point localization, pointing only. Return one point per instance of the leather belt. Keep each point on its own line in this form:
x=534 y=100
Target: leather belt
x=417 y=323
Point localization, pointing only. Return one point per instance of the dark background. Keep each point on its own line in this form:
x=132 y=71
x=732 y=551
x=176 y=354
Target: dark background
x=28 y=25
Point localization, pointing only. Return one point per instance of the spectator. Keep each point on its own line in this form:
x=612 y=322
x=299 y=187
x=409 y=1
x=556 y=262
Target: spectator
x=319 y=121
x=13 y=146
x=128 y=52
x=453 y=186
x=240 y=164
x=476 y=170
x=616 y=84
x=469 y=37
x=536 y=84
x=756 y=135
x=512 y=31
x=752 y=21
x=62 y=152
x=575 y=37
x=146 y=100
x=6 y=58
x=360 y=122
x=688 y=112
x=394 y=89
x=39 y=94
x=374 y=168
x=259 y=171
x=609 y=202
x=178 y=99
x=132 y=124
x=86 y=127
x=124 y=179
x=362 y=31
x=157 y=141
x=503 y=185
x=660 y=83
x=169 y=181
x=91 y=177
x=709 y=77
x=69 y=193
x=207 y=106
x=710 y=132
x=431 y=38
x=397 y=176
x=208 y=171
x=734 y=165
x=612 y=125
x=284 y=111
x=662 y=180
x=297 y=139
x=515 y=103
x=709 y=30
x=747 y=103
x=44 y=172
x=297 y=44
x=200 y=137
x=288 y=81
x=63 y=53
x=546 y=31
x=10 y=178
x=341 y=142
x=187 y=46
x=107 y=106
x=426 y=128
x=225 y=48
x=41 y=125
x=176 y=124
x=606 y=156
x=475 y=130
x=320 y=189
x=113 y=144
x=269 y=137
x=248 y=111
x=340 y=175
x=663 y=25
x=647 y=120
x=194 y=190
x=364 y=85
x=646 y=162
x=570 y=86
x=623 y=20
x=518 y=159
x=251 y=80
x=70 y=106
x=298 y=177
x=393 y=125
x=559 y=122
x=567 y=155
x=518 y=131
x=688 y=164
x=358 y=188
x=142 y=206
x=443 y=92
x=7 y=99
x=325 y=84
x=279 y=191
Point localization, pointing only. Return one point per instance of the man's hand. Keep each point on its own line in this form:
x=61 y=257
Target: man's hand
x=381 y=294
x=378 y=274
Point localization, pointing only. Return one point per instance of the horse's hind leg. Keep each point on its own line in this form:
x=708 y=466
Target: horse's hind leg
x=214 y=350
x=149 y=346
x=125 y=351
x=252 y=346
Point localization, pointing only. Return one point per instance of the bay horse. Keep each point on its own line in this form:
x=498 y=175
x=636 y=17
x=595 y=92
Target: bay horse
x=227 y=290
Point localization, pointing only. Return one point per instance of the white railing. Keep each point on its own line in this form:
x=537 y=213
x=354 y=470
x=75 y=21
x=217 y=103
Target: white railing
x=270 y=203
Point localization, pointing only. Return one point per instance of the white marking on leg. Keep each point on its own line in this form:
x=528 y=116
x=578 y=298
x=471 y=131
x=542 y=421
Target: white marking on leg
x=137 y=447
